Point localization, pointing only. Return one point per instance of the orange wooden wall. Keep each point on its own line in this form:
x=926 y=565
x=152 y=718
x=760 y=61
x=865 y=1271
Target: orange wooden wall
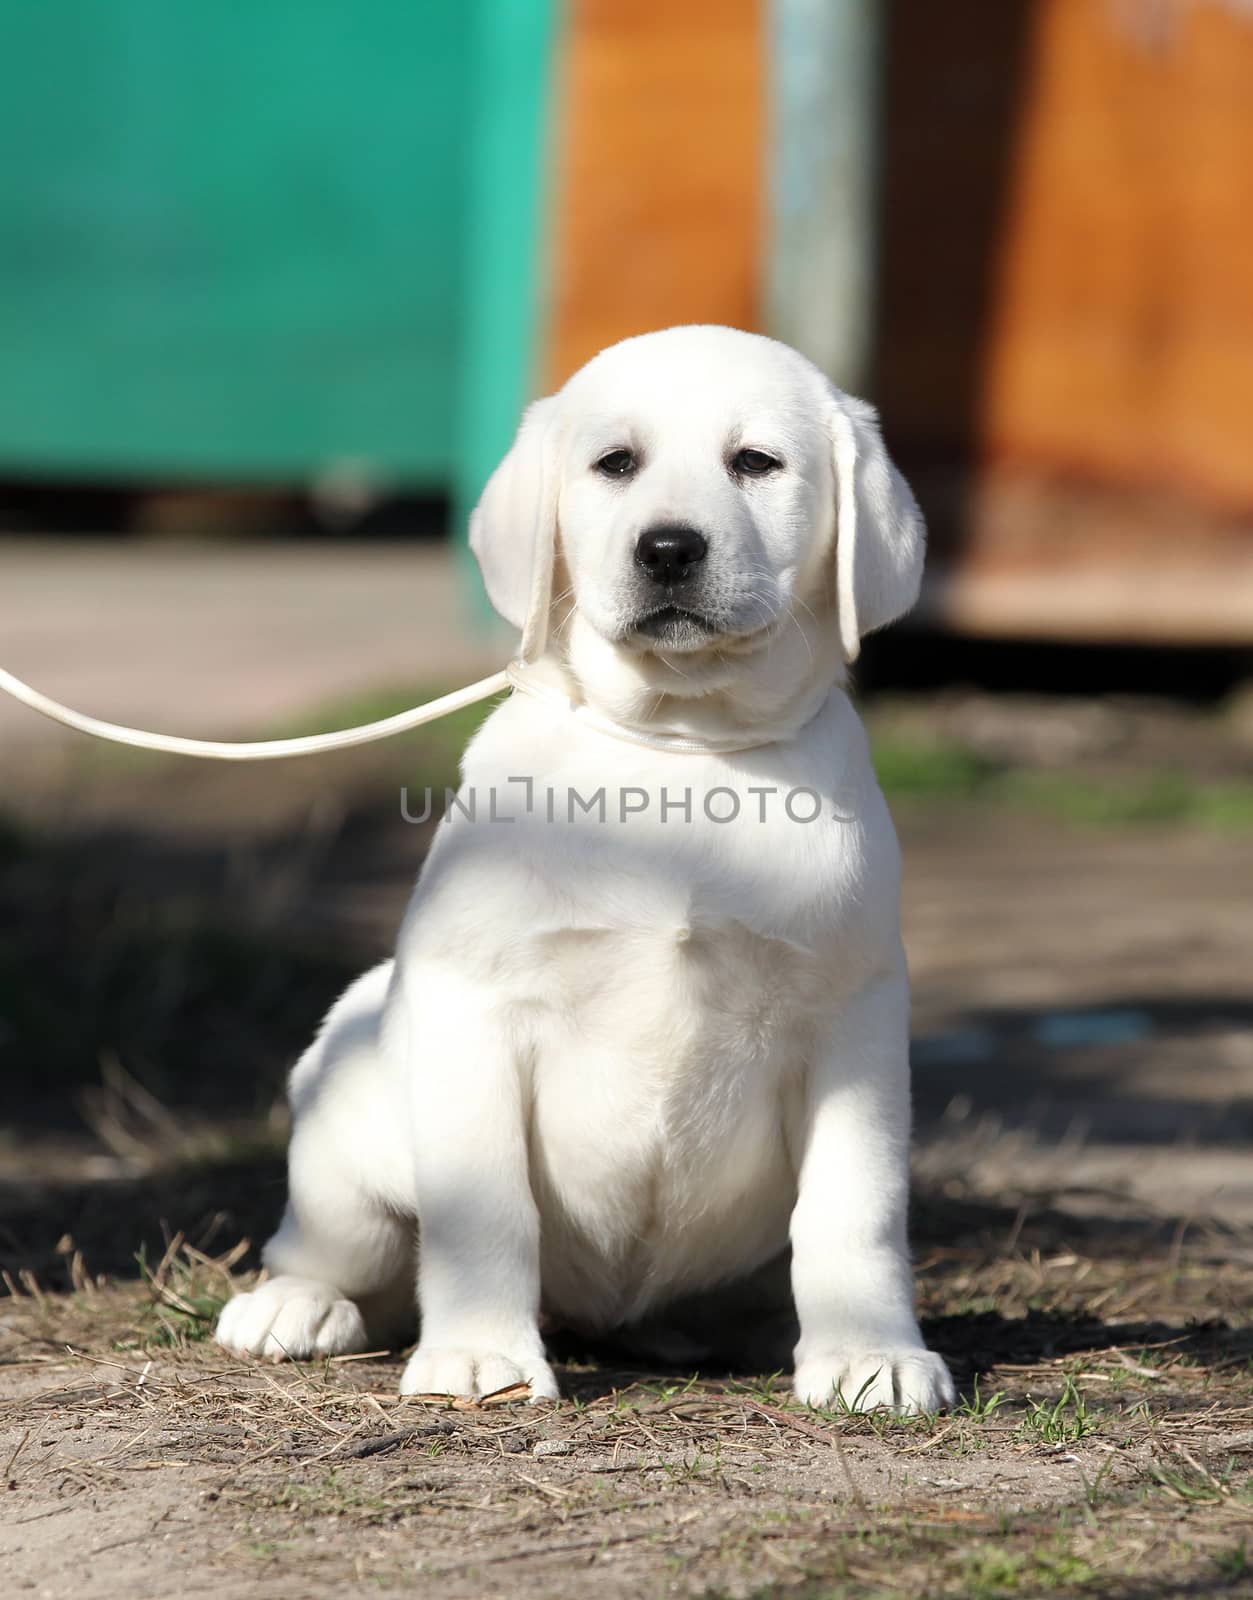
x=658 y=171
x=1120 y=339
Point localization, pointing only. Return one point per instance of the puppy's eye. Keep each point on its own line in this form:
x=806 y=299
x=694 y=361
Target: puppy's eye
x=617 y=464
x=754 y=463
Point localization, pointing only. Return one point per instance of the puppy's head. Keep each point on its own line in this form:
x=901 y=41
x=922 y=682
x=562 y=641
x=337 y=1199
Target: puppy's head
x=706 y=488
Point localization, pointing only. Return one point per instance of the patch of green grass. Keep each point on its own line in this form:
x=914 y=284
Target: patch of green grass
x=268 y=1549
x=1028 y=1554
x=337 y=1495
x=1156 y=796
x=671 y=1391
x=931 y=1560
x=1067 y=1420
x=441 y=742
x=773 y=1388
x=944 y=770
x=996 y=1572
x=979 y=1407
x=1193 y=1483
x=187 y=1290
x=930 y=769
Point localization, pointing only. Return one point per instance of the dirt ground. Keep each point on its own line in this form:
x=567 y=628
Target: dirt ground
x=1083 y=1218
x=1104 y=1444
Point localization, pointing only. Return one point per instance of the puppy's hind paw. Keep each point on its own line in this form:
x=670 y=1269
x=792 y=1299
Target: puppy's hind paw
x=903 y=1381
x=294 y=1318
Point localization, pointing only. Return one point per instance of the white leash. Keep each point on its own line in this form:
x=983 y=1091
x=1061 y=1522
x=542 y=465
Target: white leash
x=514 y=676
x=259 y=750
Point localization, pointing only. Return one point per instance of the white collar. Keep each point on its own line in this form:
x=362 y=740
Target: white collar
x=522 y=678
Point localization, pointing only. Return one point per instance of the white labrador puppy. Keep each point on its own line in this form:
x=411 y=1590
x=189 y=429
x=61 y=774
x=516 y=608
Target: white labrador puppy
x=641 y=1035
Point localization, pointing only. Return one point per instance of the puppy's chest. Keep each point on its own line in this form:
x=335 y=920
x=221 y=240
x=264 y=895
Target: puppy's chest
x=661 y=1108
x=676 y=982
x=670 y=1048
x=679 y=985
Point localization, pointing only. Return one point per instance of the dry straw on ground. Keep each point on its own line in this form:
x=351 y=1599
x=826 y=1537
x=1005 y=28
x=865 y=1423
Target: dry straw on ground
x=1103 y=1446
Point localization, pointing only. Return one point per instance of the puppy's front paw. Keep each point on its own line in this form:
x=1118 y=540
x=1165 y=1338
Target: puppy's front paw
x=291 y=1317
x=905 y=1381
x=442 y=1369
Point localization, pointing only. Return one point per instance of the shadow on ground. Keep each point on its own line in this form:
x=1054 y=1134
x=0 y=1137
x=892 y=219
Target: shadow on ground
x=1099 y=1069
x=114 y=1226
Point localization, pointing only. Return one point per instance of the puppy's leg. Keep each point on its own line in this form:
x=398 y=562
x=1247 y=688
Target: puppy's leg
x=343 y=1275
x=343 y=1259
x=851 y=1274
x=478 y=1261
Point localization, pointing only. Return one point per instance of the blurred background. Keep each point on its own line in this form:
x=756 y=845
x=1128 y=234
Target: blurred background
x=275 y=282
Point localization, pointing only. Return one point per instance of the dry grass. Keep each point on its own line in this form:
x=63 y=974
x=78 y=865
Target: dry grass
x=1103 y=1445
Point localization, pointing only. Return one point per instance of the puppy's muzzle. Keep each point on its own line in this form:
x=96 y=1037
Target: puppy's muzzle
x=669 y=561
x=670 y=554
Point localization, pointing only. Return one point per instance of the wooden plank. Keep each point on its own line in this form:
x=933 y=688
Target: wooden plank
x=659 y=171
x=1121 y=336
x=1115 y=605
x=1044 y=558
x=1067 y=264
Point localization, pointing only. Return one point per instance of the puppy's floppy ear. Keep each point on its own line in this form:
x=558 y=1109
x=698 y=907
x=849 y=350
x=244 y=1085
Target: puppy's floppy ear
x=880 y=538
x=513 y=529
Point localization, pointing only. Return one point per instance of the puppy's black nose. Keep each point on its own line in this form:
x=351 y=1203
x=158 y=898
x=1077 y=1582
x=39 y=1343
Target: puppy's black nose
x=668 y=554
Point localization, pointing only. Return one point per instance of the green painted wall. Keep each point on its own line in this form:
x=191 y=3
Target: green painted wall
x=245 y=239
x=511 y=47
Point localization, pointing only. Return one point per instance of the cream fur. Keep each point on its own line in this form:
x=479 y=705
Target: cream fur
x=617 y=1061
